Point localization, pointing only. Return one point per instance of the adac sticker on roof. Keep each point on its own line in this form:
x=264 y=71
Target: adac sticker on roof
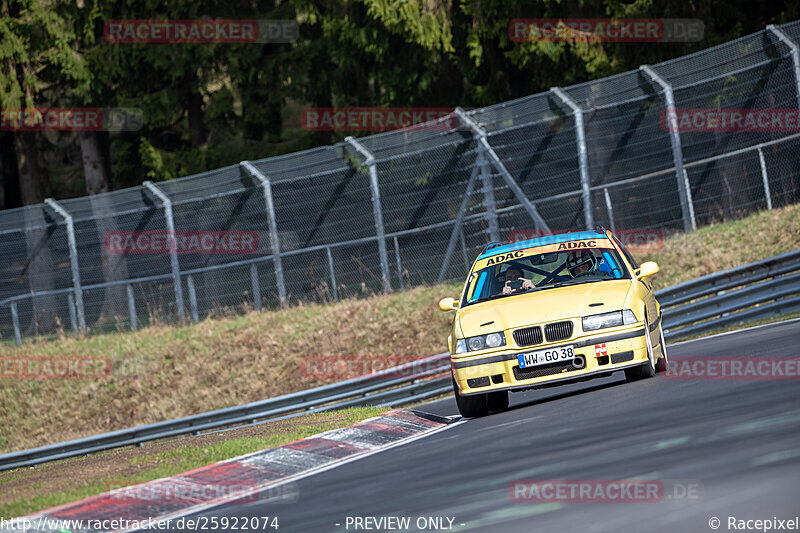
x=583 y=244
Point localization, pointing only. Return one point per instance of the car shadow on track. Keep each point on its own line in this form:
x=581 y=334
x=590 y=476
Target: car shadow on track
x=568 y=391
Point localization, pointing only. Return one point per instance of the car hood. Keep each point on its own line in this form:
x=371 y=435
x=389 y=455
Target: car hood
x=547 y=305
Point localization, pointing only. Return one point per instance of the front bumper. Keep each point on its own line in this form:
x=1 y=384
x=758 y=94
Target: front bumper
x=625 y=347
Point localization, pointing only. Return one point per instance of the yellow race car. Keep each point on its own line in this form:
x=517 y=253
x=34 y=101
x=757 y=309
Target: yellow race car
x=551 y=311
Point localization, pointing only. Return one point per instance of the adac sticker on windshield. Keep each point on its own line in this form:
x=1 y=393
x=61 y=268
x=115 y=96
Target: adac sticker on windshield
x=558 y=247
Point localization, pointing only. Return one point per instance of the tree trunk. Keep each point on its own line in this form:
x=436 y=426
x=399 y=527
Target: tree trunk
x=9 y=174
x=115 y=267
x=39 y=265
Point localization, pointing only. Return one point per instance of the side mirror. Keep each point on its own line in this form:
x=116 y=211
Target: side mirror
x=646 y=269
x=448 y=304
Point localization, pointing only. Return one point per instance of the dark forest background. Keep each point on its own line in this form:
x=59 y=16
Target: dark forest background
x=209 y=105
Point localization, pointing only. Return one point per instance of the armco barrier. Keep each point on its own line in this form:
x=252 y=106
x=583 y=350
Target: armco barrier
x=763 y=288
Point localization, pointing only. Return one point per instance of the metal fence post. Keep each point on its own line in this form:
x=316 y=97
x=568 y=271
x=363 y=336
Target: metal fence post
x=73 y=319
x=333 y=274
x=274 y=242
x=377 y=212
x=173 y=251
x=73 y=260
x=489 y=202
x=764 y=178
x=256 y=286
x=399 y=262
x=583 y=160
x=192 y=298
x=685 y=193
x=795 y=53
x=464 y=249
x=15 y=323
x=609 y=209
x=480 y=136
x=131 y=307
x=451 y=245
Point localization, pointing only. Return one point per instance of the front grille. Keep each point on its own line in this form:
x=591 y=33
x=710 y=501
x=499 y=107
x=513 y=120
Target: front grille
x=474 y=383
x=621 y=357
x=558 y=331
x=528 y=336
x=561 y=367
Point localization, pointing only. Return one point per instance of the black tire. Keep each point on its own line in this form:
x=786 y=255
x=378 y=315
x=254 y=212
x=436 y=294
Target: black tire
x=647 y=370
x=472 y=406
x=663 y=361
x=498 y=401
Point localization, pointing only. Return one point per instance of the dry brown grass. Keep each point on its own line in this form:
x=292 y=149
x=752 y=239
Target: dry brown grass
x=166 y=372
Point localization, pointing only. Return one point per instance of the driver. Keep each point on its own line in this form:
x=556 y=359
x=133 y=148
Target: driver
x=581 y=263
x=513 y=274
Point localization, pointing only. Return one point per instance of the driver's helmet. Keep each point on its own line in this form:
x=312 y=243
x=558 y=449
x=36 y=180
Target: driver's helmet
x=580 y=263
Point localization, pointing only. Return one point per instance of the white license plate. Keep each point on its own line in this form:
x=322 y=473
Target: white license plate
x=543 y=357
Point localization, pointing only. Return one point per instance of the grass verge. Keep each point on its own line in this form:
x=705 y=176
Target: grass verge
x=24 y=491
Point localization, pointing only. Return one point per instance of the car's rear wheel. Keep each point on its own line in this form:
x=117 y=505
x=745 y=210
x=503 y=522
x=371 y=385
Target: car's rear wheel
x=498 y=401
x=471 y=406
x=647 y=370
x=663 y=362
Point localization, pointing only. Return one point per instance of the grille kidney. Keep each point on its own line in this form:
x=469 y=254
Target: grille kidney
x=528 y=336
x=558 y=331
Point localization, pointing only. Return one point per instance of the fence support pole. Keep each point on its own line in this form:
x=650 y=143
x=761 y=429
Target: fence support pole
x=377 y=212
x=273 y=228
x=192 y=298
x=131 y=307
x=73 y=260
x=333 y=274
x=464 y=249
x=609 y=209
x=451 y=245
x=399 y=262
x=15 y=323
x=173 y=251
x=764 y=178
x=256 y=286
x=73 y=319
x=583 y=159
x=489 y=202
x=794 y=51
x=685 y=193
x=480 y=137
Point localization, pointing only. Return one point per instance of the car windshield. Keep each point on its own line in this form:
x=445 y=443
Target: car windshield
x=520 y=275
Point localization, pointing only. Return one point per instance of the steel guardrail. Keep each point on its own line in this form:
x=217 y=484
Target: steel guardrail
x=754 y=291
x=757 y=290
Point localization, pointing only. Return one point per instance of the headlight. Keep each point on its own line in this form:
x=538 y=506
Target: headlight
x=608 y=320
x=480 y=342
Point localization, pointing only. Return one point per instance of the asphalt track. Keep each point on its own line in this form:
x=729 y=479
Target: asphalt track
x=734 y=445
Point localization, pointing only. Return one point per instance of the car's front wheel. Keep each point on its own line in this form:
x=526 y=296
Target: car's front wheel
x=472 y=406
x=647 y=370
